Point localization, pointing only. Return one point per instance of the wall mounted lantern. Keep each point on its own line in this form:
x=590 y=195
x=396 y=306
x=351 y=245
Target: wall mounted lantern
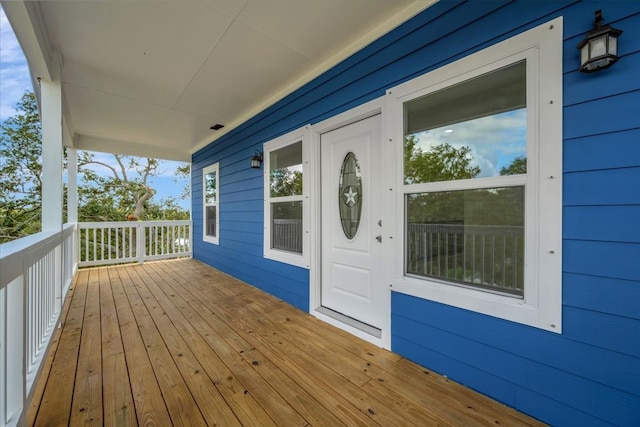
x=599 y=48
x=256 y=160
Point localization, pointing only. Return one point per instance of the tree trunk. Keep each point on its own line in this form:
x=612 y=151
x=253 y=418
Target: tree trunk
x=139 y=210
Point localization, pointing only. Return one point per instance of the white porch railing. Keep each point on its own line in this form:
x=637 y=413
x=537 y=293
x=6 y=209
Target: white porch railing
x=103 y=243
x=35 y=275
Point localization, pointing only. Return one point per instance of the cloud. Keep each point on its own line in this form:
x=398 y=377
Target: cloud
x=494 y=140
x=15 y=79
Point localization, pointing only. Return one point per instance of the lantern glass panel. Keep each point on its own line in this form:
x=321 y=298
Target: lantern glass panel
x=598 y=46
x=613 y=45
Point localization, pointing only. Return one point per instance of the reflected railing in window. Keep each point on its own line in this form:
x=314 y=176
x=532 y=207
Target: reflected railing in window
x=485 y=256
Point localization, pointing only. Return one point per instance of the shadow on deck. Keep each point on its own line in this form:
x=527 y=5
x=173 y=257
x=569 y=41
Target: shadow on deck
x=179 y=343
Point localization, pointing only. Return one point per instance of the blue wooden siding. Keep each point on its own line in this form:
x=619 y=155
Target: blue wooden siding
x=589 y=374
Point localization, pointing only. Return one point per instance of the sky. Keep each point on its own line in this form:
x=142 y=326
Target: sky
x=15 y=81
x=507 y=139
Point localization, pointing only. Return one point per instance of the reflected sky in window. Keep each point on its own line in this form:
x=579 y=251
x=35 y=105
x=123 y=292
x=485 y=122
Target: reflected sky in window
x=495 y=141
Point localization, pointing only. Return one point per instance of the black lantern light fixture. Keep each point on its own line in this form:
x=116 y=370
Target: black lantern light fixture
x=256 y=160
x=599 y=48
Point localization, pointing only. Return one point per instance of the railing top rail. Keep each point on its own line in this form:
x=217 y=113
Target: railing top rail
x=13 y=254
x=468 y=228
x=112 y=224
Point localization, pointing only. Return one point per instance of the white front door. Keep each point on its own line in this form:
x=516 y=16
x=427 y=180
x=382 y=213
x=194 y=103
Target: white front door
x=351 y=178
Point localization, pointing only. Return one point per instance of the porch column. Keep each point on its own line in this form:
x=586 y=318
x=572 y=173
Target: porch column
x=52 y=189
x=72 y=185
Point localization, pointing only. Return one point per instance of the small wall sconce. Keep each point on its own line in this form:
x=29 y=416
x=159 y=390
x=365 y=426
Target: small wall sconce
x=256 y=160
x=599 y=48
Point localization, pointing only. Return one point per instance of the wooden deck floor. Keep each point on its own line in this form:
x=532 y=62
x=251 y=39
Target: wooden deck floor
x=179 y=343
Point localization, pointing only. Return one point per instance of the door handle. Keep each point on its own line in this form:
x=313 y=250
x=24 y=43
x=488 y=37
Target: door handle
x=379 y=239
x=380 y=223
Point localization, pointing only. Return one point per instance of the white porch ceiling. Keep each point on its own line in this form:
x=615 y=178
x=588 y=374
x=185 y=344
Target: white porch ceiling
x=150 y=77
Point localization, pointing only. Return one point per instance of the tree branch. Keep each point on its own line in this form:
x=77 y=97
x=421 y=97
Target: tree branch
x=95 y=162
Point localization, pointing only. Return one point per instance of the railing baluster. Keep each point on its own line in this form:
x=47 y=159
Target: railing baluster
x=515 y=262
x=455 y=256
x=163 y=242
x=504 y=259
x=483 y=257
x=173 y=240
x=493 y=260
x=95 y=244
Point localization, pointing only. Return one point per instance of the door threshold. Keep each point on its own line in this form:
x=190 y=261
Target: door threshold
x=364 y=327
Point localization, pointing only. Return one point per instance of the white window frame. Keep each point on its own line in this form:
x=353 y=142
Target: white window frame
x=301 y=135
x=214 y=168
x=541 y=305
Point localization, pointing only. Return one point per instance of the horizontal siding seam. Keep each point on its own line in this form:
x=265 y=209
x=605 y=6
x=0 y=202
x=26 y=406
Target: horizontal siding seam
x=578 y=307
x=476 y=367
x=612 y=95
x=577 y=273
x=623 y=242
x=575 y=172
x=518 y=356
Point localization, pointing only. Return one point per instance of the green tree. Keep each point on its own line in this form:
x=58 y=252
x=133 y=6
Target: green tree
x=441 y=162
x=285 y=182
x=516 y=167
x=125 y=192
x=20 y=171
x=121 y=195
x=183 y=172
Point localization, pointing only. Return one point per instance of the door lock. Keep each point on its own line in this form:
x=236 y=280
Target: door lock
x=379 y=239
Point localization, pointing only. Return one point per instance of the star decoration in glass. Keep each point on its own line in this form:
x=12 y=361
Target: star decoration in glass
x=351 y=196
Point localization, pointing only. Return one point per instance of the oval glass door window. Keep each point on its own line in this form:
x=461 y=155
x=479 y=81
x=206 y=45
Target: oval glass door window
x=350 y=196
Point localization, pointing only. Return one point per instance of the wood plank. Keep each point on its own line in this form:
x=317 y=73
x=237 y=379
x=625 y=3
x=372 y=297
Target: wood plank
x=234 y=392
x=208 y=398
x=183 y=344
x=429 y=392
x=58 y=393
x=305 y=365
x=180 y=403
x=435 y=387
x=256 y=386
x=149 y=403
x=119 y=409
x=287 y=385
x=87 y=396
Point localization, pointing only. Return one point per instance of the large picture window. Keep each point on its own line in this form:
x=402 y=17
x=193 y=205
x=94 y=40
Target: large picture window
x=210 y=203
x=480 y=150
x=471 y=130
x=285 y=181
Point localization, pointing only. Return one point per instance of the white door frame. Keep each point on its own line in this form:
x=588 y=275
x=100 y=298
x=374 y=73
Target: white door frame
x=363 y=111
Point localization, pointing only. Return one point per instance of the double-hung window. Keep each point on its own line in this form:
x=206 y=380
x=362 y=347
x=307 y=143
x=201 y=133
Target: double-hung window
x=286 y=236
x=210 y=203
x=480 y=148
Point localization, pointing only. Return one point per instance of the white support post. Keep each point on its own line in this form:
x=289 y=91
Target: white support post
x=72 y=202
x=3 y=355
x=16 y=341
x=140 y=242
x=72 y=185
x=52 y=188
